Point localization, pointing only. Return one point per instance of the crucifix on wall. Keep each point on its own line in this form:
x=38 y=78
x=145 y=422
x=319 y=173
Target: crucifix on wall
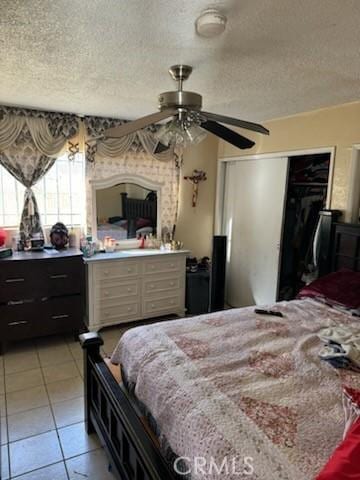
x=196 y=177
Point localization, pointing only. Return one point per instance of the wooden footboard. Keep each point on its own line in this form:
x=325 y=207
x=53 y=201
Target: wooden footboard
x=109 y=412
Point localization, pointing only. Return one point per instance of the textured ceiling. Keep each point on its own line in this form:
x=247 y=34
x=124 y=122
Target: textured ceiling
x=110 y=57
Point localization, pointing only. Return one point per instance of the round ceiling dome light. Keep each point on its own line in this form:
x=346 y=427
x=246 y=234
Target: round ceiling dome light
x=210 y=23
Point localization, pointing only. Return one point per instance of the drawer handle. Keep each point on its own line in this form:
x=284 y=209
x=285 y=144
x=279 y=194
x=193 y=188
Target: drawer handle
x=172 y=284
x=172 y=265
x=14 y=280
x=106 y=294
x=152 y=267
x=129 y=270
x=152 y=286
x=172 y=302
x=106 y=272
x=55 y=317
x=129 y=290
x=21 y=322
x=60 y=275
x=16 y=302
x=129 y=309
x=152 y=305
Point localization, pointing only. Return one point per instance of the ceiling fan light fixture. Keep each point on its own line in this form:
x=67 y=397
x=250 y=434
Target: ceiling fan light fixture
x=163 y=135
x=210 y=23
x=196 y=134
x=181 y=132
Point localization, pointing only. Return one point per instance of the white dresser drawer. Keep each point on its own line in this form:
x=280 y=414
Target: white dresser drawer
x=117 y=269
x=162 y=305
x=108 y=290
x=152 y=286
x=164 y=265
x=126 y=288
x=121 y=313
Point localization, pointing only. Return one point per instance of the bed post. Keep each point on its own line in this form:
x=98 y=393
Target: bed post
x=91 y=343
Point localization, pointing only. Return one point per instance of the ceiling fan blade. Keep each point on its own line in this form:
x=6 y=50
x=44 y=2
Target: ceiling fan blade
x=227 y=134
x=135 y=125
x=255 y=127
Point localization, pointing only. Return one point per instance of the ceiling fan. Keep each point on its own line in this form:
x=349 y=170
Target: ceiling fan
x=189 y=124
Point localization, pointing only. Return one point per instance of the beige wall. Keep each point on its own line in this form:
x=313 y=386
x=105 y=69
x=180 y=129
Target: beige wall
x=195 y=224
x=337 y=127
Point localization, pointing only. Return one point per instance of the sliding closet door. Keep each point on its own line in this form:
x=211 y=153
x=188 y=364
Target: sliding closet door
x=254 y=198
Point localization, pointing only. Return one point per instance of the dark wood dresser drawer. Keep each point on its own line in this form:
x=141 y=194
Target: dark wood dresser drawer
x=38 y=318
x=18 y=280
x=60 y=315
x=37 y=279
x=41 y=293
x=63 y=277
x=16 y=320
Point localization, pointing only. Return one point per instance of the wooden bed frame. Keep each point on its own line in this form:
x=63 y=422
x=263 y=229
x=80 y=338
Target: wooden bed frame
x=110 y=412
x=134 y=208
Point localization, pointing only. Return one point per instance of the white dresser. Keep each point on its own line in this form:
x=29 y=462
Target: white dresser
x=133 y=285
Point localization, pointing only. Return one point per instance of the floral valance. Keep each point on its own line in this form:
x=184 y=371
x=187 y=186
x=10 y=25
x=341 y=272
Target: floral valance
x=49 y=132
x=54 y=132
x=141 y=141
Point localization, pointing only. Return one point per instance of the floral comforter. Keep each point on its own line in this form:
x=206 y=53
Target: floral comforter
x=238 y=385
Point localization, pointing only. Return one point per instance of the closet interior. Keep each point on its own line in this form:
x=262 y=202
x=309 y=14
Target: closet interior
x=306 y=195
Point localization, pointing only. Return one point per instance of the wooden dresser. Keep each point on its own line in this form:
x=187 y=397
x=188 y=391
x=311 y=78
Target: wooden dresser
x=134 y=285
x=41 y=293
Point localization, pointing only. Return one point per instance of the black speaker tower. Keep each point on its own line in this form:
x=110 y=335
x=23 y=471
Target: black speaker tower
x=217 y=289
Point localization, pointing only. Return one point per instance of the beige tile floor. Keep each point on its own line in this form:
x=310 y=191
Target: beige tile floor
x=42 y=412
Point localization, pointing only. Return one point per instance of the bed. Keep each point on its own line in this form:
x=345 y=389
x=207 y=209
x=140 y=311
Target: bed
x=232 y=384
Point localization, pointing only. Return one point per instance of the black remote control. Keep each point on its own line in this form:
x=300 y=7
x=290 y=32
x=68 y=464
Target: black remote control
x=268 y=312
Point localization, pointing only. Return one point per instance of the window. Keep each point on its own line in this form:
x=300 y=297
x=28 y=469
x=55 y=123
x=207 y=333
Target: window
x=60 y=194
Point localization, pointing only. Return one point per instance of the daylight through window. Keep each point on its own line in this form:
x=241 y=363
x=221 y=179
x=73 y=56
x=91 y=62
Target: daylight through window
x=60 y=194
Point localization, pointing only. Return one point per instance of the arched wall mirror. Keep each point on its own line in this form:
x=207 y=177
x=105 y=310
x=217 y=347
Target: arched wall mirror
x=125 y=206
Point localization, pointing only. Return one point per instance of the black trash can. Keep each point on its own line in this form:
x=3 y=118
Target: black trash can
x=197 y=292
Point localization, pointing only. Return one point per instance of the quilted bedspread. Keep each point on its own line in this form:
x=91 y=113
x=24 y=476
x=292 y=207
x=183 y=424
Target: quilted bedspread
x=237 y=384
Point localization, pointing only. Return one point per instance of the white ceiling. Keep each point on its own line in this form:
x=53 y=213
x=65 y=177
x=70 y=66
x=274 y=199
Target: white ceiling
x=110 y=57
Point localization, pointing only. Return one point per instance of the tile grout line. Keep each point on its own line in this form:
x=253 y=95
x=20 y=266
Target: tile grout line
x=56 y=463
x=36 y=469
x=36 y=408
x=53 y=415
x=56 y=428
x=46 y=431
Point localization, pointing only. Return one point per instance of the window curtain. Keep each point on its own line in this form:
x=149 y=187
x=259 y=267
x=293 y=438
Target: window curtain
x=30 y=142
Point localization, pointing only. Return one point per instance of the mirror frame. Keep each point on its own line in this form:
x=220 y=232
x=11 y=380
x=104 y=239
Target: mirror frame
x=100 y=184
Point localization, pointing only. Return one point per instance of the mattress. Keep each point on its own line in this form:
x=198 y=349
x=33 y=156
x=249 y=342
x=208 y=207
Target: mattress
x=243 y=387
